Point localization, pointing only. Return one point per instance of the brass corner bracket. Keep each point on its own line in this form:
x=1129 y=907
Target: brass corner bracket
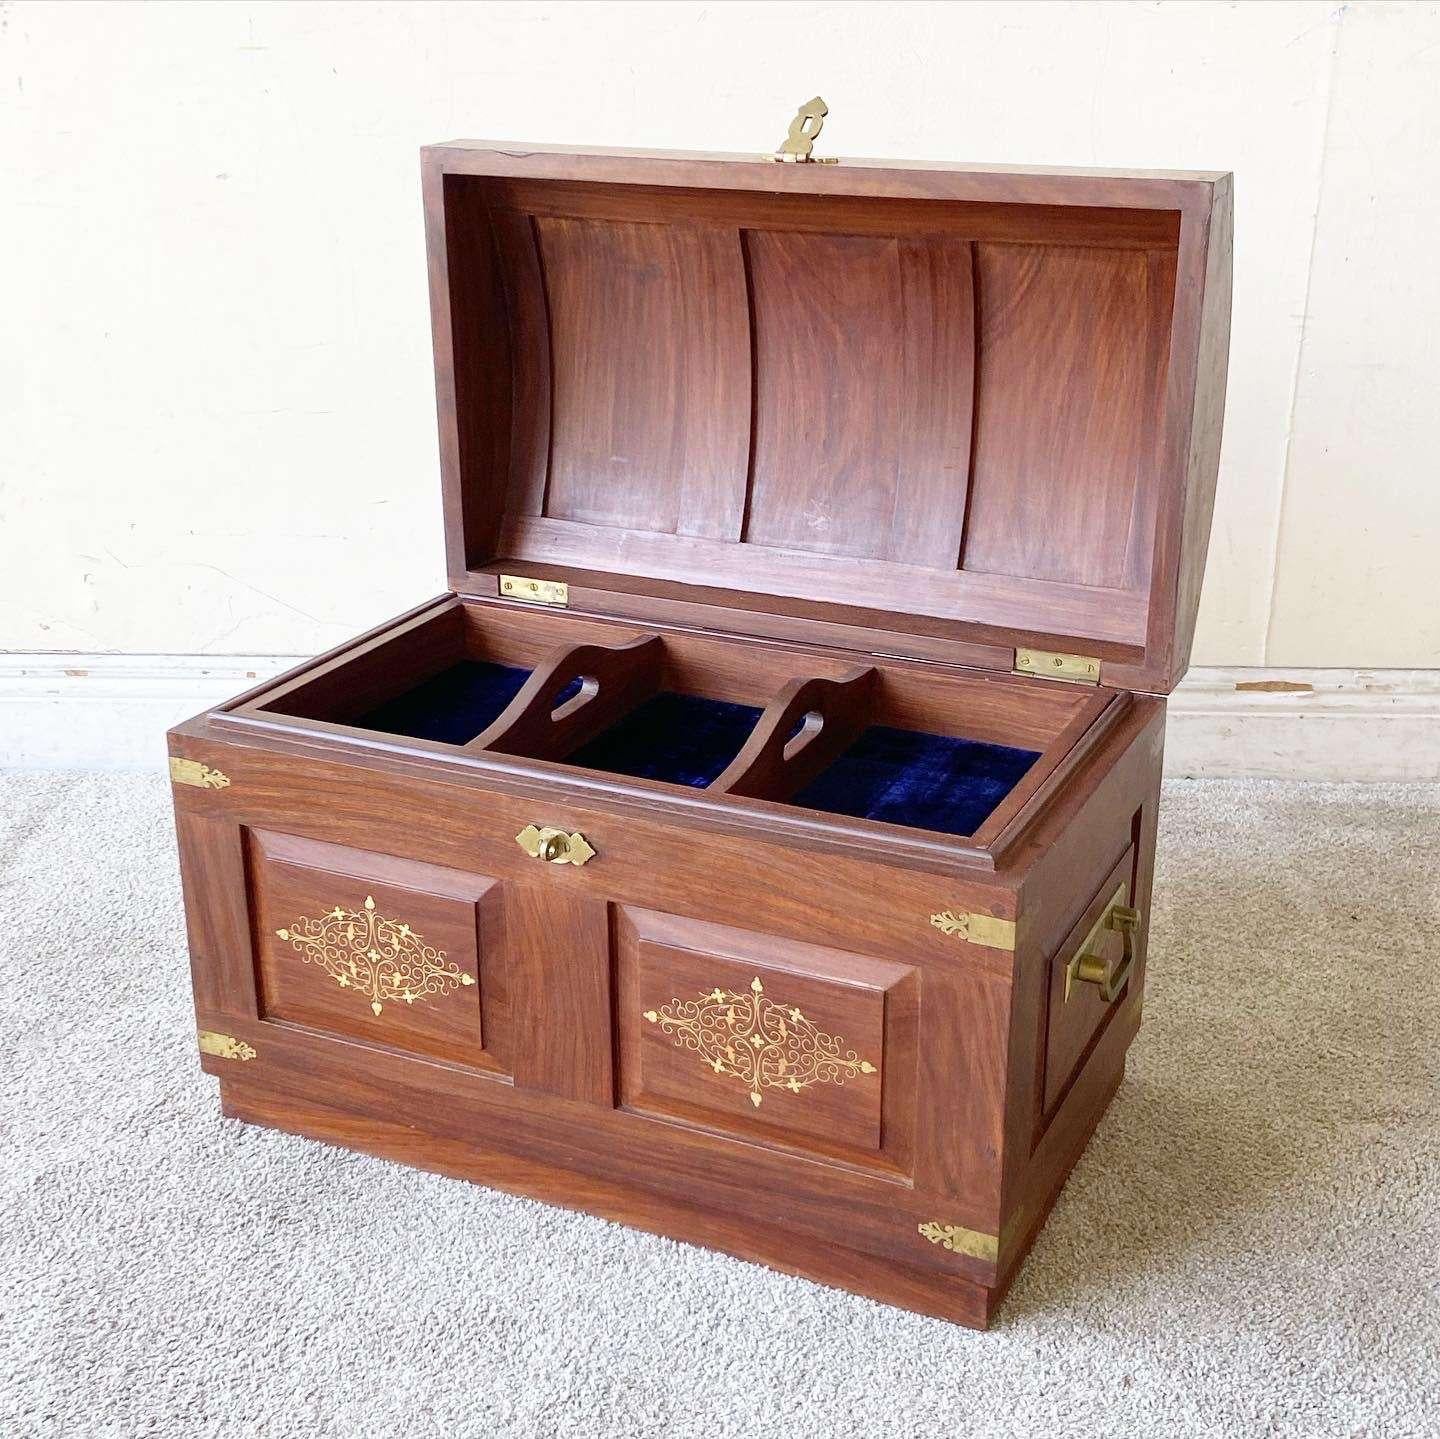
x=959 y=1240
x=976 y=928
x=191 y=771
x=223 y=1046
x=795 y=148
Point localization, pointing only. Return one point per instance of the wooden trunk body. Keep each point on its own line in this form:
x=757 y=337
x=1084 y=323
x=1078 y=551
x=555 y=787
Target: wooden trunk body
x=817 y=456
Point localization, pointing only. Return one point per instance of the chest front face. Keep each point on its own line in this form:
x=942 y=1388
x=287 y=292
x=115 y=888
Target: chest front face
x=714 y=856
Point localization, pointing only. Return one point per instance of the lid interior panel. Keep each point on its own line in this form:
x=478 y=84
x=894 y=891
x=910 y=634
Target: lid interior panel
x=937 y=409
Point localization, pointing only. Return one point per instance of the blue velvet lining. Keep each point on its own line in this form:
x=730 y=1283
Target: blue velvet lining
x=681 y=739
x=452 y=706
x=904 y=777
x=926 y=781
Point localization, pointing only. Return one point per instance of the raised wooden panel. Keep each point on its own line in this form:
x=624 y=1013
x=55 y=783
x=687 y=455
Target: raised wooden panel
x=385 y=950
x=1070 y=376
x=650 y=376
x=1075 y=1021
x=767 y=1039
x=864 y=352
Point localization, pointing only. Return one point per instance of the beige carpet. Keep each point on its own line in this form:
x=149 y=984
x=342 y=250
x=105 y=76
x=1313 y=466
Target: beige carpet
x=1249 y=1246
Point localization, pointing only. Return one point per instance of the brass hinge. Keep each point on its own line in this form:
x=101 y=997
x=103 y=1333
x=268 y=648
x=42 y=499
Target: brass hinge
x=535 y=592
x=1048 y=665
x=223 y=1046
x=976 y=928
x=804 y=128
x=191 y=771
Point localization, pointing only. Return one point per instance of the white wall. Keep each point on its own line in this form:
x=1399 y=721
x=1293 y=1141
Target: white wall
x=216 y=420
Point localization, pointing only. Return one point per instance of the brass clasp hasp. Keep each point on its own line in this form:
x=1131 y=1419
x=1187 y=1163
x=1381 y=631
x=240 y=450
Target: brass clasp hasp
x=805 y=128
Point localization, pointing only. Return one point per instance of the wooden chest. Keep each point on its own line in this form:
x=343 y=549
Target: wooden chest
x=755 y=845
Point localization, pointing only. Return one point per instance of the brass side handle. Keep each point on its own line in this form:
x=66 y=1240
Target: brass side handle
x=1090 y=968
x=554 y=846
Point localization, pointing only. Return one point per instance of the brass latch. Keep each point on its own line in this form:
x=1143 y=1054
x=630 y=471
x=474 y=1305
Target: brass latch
x=223 y=1046
x=554 y=845
x=804 y=130
x=535 y=592
x=1050 y=665
x=1090 y=968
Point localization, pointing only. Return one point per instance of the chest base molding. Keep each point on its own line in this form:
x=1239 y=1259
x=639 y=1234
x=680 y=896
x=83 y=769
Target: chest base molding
x=953 y=1298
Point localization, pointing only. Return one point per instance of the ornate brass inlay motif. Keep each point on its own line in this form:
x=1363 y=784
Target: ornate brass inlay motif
x=191 y=771
x=763 y=1044
x=223 y=1046
x=374 y=956
x=959 y=1240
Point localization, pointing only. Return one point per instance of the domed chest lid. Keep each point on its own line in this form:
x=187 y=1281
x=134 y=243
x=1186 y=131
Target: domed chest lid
x=960 y=413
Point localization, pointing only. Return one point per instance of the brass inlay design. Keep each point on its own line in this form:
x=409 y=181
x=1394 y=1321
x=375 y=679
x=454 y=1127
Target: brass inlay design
x=976 y=928
x=191 y=771
x=223 y=1046
x=535 y=592
x=554 y=845
x=763 y=1044
x=1091 y=968
x=1047 y=664
x=959 y=1240
x=804 y=130
x=375 y=956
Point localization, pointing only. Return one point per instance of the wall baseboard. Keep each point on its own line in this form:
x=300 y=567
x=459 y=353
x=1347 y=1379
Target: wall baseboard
x=1368 y=725
x=77 y=711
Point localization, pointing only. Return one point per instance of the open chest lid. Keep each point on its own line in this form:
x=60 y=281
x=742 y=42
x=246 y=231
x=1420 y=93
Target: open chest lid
x=959 y=413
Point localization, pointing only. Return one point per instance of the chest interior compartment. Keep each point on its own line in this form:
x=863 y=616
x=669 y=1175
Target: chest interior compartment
x=801 y=462
x=886 y=742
